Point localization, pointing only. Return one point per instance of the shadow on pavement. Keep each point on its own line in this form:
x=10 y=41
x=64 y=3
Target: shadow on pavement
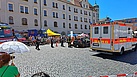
x=128 y=57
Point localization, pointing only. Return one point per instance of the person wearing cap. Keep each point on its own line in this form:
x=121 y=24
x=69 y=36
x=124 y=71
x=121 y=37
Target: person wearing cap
x=7 y=70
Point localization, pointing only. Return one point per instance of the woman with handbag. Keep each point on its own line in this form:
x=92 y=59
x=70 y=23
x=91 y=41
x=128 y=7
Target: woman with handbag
x=7 y=70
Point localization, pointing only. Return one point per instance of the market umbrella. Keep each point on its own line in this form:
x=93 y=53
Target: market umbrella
x=84 y=35
x=13 y=47
x=73 y=35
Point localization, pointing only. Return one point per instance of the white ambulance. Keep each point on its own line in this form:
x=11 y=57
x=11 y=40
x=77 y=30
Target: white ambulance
x=112 y=37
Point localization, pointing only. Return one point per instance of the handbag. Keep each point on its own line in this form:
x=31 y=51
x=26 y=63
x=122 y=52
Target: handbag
x=4 y=71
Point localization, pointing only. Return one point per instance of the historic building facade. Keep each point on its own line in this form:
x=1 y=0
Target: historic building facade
x=132 y=21
x=61 y=16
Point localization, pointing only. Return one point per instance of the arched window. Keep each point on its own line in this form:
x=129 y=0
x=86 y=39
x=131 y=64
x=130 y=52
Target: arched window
x=11 y=20
x=55 y=24
x=36 y=22
x=45 y=23
x=24 y=21
x=76 y=27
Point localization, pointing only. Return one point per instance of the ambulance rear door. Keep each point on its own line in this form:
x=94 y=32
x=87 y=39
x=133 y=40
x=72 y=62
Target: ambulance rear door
x=96 y=33
x=105 y=36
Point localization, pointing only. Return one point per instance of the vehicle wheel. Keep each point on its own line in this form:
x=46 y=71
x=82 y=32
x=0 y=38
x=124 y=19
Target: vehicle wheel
x=134 y=49
x=77 y=46
x=122 y=51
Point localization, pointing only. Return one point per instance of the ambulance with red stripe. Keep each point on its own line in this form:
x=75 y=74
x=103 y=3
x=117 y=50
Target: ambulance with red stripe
x=115 y=37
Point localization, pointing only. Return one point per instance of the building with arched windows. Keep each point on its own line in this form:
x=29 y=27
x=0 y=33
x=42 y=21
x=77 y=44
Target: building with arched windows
x=61 y=16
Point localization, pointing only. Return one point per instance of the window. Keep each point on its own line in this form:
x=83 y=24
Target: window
x=85 y=12
x=96 y=30
x=89 y=21
x=21 y=9
x=10 y=7
x=64 y=25
x=75 y=18
x=85 y=26
x=129 y=30
x=45 y=2
x=63 y=7
x=56 y=15
x=89 y=14
x=81 y=19
x=24 y=21
x=69 y=9
x=69 y=25
x=76 y=27
x=53 y=14
x=11 y=20
x=81 y=26
x=105 y=30
x=53 y=4
x=85 y=19
x=45 y=23
x=93 y=21
x=75 y=10
x=55 y=24
x=84 y=5
x=45 y=13
x=35 y=11
x=81 y=11
x=63 y=16
x=35 y=1
x=36 y=22
x=56 y=5
x=69 y=17
x=26 y=10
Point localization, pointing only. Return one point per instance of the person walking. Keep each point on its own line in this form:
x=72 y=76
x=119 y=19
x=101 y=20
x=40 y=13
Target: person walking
x=37 y=43
x=69 y=41
x=51 y=40
x=62 y=41
x=7 y=70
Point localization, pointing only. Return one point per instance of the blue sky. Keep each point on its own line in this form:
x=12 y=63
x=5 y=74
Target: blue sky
x=117 y=9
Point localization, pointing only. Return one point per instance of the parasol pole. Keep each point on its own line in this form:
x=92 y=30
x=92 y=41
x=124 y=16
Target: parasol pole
x=12 y=57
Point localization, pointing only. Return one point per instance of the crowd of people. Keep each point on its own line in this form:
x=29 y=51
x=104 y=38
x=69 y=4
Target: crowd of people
x=38 y=40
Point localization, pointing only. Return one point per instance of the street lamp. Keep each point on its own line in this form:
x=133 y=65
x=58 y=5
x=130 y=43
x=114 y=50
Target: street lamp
x=40 y=17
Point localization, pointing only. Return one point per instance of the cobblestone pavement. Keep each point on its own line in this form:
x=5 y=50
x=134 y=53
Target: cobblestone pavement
x=73 y=62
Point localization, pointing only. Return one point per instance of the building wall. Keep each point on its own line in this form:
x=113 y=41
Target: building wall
x=17 y=16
